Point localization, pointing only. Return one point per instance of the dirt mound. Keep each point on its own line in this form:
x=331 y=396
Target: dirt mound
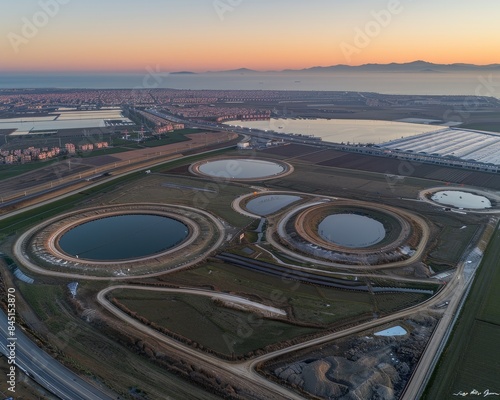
x=360 y=367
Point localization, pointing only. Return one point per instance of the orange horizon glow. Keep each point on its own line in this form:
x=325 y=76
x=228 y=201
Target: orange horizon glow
x=104 y=57
x=165 y=66
x=119 y=37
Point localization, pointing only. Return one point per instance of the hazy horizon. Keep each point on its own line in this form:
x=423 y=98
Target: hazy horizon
x=463 y=83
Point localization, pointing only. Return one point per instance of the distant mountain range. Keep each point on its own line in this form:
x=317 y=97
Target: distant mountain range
x=415 y=66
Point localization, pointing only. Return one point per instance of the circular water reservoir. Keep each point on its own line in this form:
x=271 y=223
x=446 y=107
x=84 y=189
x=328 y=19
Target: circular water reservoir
x=241 y=169
x=269 y=204
x=456 y=198
x=123 y=237
x=351 y=230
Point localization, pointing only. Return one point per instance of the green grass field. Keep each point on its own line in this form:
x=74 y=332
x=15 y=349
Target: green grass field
x=221 y=329
x=42 y=299
x=471 y=358
x=451 y=245
x=193 y=192
x=172 y=137
x=306 y=303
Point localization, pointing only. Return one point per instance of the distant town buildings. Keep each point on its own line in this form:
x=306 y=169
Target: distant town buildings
x=30 y=154
x=221 y=113
x=161 y=125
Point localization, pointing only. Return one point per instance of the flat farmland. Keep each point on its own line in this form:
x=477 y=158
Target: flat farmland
x=471 y=358
x=291 y=150
x=383 y=165
x=319 y=156
x=314 y=179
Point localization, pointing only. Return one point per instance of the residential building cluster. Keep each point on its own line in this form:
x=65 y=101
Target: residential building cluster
x=162 y=125
x=220 y=114
x=36 y=101
x=30 y=154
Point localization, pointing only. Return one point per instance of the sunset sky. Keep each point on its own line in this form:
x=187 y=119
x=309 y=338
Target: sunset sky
x=201 y=35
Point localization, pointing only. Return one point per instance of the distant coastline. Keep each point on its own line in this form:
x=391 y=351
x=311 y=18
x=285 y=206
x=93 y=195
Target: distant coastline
x=401 y=83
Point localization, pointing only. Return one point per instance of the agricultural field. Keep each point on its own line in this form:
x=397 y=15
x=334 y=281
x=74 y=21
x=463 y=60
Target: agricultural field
x=412 y=171
x=325 y=180
x=470 y=360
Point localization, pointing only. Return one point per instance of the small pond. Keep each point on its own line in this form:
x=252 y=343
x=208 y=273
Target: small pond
x=269 y=204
